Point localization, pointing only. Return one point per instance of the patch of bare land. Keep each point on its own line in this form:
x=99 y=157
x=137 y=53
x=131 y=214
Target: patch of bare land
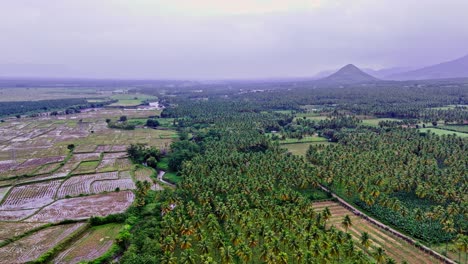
x=85 y=207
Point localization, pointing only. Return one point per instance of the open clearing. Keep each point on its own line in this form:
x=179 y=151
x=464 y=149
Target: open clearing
x=395 y=247
x=94 y=243
x=301 y=148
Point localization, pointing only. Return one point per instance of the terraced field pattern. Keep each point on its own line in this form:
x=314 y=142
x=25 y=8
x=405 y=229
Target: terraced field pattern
x=69 y=167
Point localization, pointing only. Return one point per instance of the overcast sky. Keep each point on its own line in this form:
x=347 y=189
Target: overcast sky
x=213 y=39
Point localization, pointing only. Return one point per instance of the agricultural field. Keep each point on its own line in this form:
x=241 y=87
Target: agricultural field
x=84 y=207
x=36 y=94
x=127 y=100
x=394 y=247
x=91 y=245
x=34 y=245
x=312 y=116
x=68 y=167
x=306 y=139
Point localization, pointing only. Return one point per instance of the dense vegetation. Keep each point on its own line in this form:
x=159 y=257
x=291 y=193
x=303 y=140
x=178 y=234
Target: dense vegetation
x=414 y=181
x=240 y=202
x=244 y=199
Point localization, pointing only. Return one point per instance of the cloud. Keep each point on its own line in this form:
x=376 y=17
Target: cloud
x=215 y=39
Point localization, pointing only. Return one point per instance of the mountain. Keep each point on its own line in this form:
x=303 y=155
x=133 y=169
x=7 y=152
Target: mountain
x=384 y=73
x=452 y=69
x=349 y=74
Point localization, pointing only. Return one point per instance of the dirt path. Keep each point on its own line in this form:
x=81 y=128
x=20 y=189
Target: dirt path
x=160 y=178
x=371 y=223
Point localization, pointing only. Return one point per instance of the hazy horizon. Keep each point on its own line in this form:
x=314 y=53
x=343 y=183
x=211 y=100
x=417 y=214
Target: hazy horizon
x=209 y=39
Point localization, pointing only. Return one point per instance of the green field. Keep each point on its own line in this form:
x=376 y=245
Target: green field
x=301 y=148
x=457 y=128
x=442 y=132
x=308 y=139
x=131 y=99
x=311 y=116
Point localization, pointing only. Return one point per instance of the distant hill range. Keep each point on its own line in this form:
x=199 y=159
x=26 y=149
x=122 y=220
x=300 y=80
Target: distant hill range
x=452 y=69
x=349 y=74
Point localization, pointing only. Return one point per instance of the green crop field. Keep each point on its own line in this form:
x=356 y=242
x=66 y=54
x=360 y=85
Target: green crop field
x=131 y=99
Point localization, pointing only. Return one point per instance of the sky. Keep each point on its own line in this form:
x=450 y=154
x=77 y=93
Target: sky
x=224 y=39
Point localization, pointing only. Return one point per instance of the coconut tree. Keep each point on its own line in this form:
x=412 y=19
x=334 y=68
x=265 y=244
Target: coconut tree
x=346 y=223
x=168 y=258
x=448 y=227
x=379 y=255
x=462 y=245
x=365 y=240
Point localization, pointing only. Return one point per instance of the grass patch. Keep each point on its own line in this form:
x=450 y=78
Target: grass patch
x=301 y=148
x=163 y=164
x=172 y=177
x=87 y=167
x=442 y=132
x=308 y=139
x=131 y=99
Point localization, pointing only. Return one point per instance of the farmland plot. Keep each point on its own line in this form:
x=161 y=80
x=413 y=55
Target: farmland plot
x=125 y=175
x=10 y=230
x=86 y=167
x=106 y=165
x=112 y=185
x=16 y=215
x=37 y=162
x=395 y=247
x=31 y=196
x=3 y=192
x=6 y=165
x=79 y=157
x=85 y=207
x=77 y=185
x=123 y=164
x=40 y=178
x=144 y=174
x=85 y=148
x=47 y=168
x=33 y=246
x=91 y=245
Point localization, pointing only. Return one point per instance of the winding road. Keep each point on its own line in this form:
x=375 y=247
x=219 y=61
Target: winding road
x=160 y=178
